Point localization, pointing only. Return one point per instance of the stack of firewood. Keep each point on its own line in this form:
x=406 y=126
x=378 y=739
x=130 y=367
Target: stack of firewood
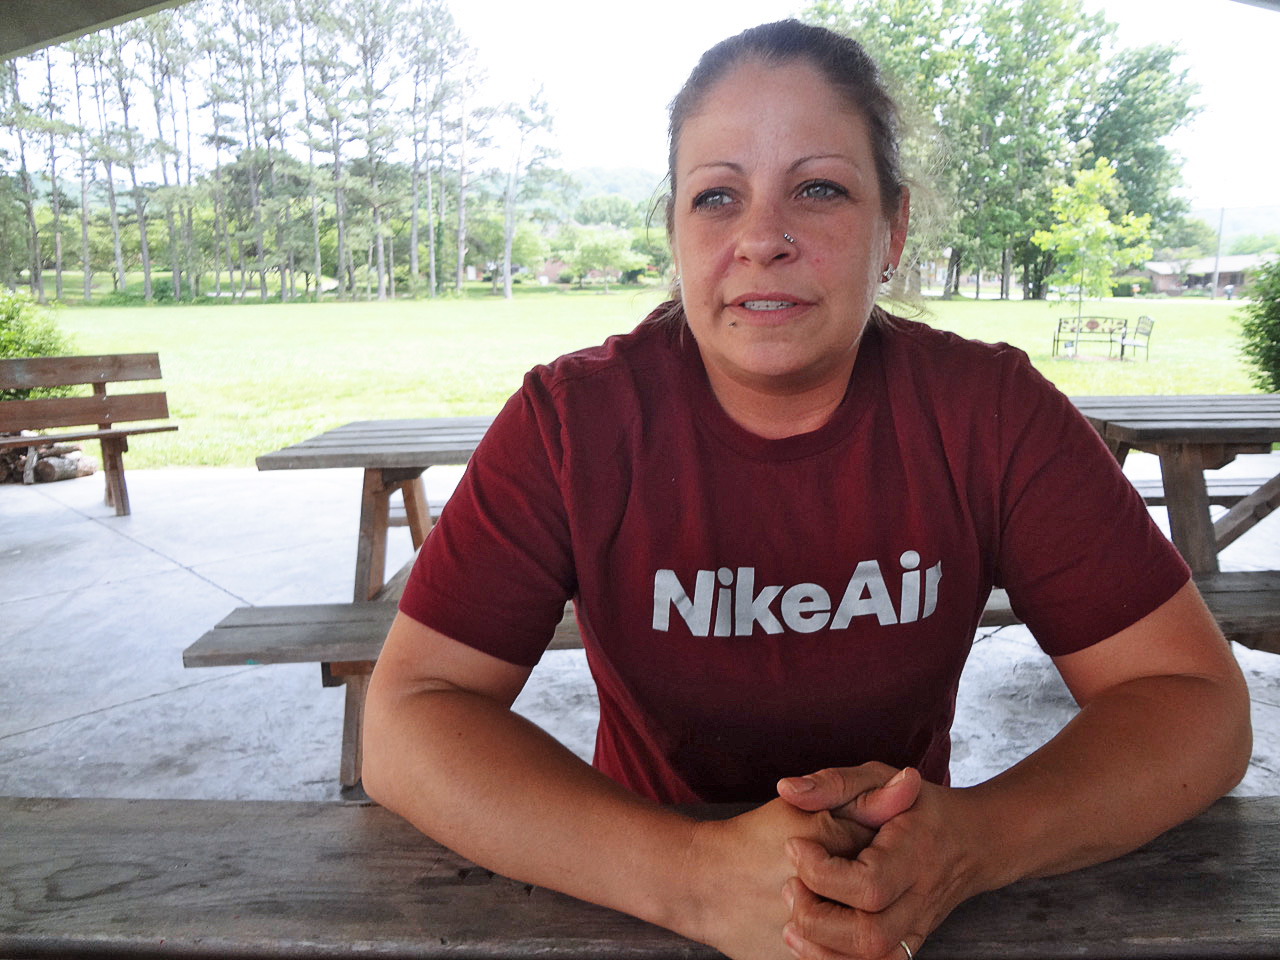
x=52 y=461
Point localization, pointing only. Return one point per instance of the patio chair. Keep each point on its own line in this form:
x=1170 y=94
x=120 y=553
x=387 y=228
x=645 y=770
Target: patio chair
x=1141 y=337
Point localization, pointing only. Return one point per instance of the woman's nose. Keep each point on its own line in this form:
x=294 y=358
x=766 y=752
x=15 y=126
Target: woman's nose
x=763 y=238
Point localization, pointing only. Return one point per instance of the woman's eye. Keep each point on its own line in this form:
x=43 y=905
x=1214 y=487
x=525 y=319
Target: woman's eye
x=711 y=198
x=822 y=190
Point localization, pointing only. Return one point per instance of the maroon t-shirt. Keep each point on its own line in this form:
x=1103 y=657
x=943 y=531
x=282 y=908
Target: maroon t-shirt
x=755 y=608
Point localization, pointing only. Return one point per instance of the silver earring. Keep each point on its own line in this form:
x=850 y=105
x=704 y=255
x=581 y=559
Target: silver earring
x=887 y=273
x=789 y=238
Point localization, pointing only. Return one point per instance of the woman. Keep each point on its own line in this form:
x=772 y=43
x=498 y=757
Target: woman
x=779 y=512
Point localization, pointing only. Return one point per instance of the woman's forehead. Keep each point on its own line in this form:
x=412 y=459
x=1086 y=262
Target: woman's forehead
x=787 y=109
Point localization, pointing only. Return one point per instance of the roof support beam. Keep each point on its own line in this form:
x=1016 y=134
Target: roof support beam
x=27 y=27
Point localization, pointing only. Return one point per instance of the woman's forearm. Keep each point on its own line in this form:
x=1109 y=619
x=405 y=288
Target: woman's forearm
x=492 y=786
x=1137 y=760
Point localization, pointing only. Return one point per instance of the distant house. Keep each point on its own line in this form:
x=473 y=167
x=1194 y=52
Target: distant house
x=1233 y=271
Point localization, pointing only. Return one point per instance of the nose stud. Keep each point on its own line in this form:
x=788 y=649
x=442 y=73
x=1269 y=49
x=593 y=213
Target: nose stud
x=789 y=238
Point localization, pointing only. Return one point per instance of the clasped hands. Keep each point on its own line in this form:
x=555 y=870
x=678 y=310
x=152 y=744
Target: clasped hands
x=847 y=863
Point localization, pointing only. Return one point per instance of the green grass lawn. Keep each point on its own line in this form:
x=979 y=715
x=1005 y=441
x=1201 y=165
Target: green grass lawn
x=246 y=379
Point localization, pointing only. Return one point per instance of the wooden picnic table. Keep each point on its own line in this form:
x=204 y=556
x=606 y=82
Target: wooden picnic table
x=246 y=879
x=393 y=455
x=1192 y=434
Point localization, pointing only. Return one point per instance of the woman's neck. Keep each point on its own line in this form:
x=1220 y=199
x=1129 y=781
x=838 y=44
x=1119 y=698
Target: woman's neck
x=779 y=410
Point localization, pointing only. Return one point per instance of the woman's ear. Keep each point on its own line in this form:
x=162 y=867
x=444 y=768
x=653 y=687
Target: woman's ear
x=898 y=225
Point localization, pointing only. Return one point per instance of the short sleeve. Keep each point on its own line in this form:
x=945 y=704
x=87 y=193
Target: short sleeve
x=497 y=567
x=1078 y=551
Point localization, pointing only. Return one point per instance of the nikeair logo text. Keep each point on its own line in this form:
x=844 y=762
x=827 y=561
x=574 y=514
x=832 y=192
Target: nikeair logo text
x=728 y=604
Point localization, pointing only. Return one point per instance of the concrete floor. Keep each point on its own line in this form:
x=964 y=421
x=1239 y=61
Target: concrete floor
x=95 y=611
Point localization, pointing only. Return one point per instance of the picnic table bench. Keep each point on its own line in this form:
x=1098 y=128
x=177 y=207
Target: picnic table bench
x=98 y=417
x=346 y=638
x=86 y=878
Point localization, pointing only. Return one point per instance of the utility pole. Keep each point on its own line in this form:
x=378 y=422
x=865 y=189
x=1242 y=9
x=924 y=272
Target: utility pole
x=1213 y=290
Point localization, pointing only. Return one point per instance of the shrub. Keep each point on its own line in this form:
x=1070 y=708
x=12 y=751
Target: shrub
x=25 y=332
x=1261 y=327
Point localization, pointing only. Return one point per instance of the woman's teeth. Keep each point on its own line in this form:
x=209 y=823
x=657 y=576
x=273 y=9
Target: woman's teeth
x=767 y=304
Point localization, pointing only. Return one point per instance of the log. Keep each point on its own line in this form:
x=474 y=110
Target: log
x=49 y=469
x=58 y=449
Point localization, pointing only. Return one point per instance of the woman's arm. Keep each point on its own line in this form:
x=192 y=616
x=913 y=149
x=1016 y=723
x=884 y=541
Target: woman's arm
x=1163 y=731
x=443 y=749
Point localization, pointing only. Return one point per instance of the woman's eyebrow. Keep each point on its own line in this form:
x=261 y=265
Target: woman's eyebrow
x=822 y=156
x=735 y=167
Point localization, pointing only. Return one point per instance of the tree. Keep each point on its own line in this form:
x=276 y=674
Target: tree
x=122 y=73
x=374 y=25
x=1255 y=243
x=331 y=76
x=1184 y=235
x=86 y=164
x=106 y=147
x=1260 y=328
x=1138 y=98
x=1087 y=244
x=435 y=46
x=650 y=242
x=608 y=209
x=606 y=250
x=531 y=122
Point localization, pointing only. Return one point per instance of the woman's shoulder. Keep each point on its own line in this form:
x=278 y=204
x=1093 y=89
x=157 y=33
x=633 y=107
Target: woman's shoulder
x=921 y=339
x=645 y=356
x=917 y=350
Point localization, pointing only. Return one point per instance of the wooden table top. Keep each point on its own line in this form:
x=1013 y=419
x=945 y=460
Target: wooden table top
x=1224 y=418
x=272 y=879
x=384 y=444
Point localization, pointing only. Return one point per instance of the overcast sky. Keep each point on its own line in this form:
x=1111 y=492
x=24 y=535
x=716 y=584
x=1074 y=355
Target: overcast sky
x=609 y=71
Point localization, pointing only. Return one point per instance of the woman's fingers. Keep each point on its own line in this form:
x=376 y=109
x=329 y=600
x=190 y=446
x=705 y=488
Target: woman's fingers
x=872 y=881
x=822 y=930
x=872 y=793
x=899 y=887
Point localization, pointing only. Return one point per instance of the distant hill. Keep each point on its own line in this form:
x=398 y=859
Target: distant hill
x=631 y=182
x=1239 y=221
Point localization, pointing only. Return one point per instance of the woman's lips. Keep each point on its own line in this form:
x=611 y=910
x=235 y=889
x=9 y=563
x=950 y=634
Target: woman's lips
x=767 y=309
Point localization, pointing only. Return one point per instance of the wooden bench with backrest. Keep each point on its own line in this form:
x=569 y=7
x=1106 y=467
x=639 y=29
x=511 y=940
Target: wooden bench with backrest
x=98 y=417
x=1072 y=331
x=345 y=638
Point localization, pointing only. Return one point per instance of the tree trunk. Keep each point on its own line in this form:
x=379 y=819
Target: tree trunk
x=462 y=197
x=340 y=211
x=508 y=236
x=55 y=195
x=951 y=285
x=28 y=196
x=415 y=177
x=86 y=267
x=312 y=186
x=144 y=251
x=379 y=244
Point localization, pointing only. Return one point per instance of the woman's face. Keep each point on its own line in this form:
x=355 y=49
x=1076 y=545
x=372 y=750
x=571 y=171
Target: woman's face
x=774 y=150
